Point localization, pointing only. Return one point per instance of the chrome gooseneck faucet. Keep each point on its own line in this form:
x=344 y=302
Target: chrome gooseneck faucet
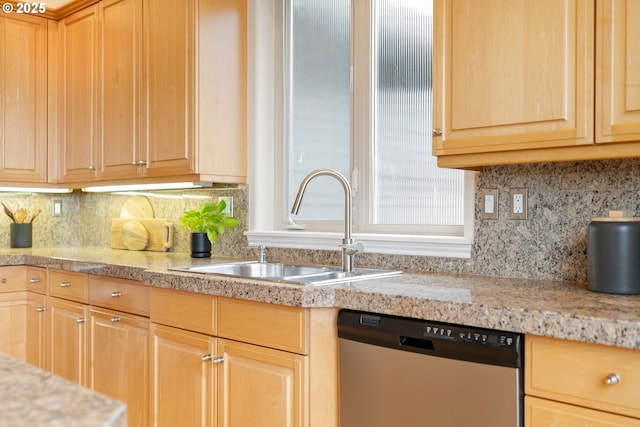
x=349 y=247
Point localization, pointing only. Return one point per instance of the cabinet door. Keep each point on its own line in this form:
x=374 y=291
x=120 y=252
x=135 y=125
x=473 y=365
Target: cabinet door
x=118 y=360
x=260 y=386
x=121 y=85
x=67 y=339
x=78 y=139
x=13 y=334
x=23 y=98
x=547 y=413
x=617 y=71
x=36 y=322
x=512 y=74
x=183 y=378
x=169 y=45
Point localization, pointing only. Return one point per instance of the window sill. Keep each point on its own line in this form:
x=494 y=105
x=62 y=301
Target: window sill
x=440 y=246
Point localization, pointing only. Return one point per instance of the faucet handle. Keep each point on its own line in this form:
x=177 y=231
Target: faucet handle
x=262 y=257
x=353 y=248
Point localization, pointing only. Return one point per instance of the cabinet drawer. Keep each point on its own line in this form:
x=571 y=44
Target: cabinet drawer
x=69 y=285
x=185 y=310
x=577 y=373
x=12 y=278
x=129 y=296
x=544 y=413
x=269 y=325
x=37 y=279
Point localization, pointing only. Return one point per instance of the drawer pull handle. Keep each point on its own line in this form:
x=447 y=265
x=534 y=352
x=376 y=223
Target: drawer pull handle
x=207 y=357
x=40 y=309
x=65 y=284
x=116 y=294
x=436 y=132
x=34 y=280
x=3 y=280
x=80 y=320
x=218 y=360
x=612 y=379
x=116 y=319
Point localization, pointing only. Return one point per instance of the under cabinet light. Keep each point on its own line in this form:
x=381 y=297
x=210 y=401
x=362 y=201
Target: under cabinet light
x=143 y=187
x=35 y=190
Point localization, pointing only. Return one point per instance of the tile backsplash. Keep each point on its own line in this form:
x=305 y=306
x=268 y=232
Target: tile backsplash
x=550 y=244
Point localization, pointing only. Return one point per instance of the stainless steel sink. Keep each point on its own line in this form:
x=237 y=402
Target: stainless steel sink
x=290 y=273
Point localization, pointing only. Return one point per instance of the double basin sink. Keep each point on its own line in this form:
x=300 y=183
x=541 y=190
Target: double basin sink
x=313 y=275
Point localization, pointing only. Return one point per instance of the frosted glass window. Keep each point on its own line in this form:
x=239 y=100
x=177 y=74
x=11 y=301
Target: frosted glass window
x=403 y=191
x=318 y=117
x=408 y=187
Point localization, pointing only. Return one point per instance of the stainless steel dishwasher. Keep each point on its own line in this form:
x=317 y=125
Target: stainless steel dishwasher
x=400 y=372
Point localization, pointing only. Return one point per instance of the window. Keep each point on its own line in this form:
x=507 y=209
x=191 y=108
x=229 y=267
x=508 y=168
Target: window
x=353 y=94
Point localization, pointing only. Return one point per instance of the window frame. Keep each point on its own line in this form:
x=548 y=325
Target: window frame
x=267 y=167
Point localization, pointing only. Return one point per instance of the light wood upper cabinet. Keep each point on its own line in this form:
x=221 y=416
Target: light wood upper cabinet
x=512 y=75
x=195 y=61
x=23 y=95
x=121 y=135
x=76 y=153
x=150 y=89
x=617 y=71
x=521 y=81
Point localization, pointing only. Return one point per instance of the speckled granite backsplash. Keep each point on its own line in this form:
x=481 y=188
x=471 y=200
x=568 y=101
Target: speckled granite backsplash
x=550 y=244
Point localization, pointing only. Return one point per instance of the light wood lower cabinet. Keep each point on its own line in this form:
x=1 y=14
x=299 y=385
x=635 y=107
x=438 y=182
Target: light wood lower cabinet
x=67 y=339
x=260 y=386
x=22 y=314
x=118 y=360
x=570 y=383
x=253 y=367
x=183 y=377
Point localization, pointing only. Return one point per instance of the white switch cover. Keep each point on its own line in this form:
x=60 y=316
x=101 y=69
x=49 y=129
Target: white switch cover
x=489 y=209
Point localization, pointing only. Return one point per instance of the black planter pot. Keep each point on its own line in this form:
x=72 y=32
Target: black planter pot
x=200 y=245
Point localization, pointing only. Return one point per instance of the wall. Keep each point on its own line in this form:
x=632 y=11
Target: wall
x=550 y=244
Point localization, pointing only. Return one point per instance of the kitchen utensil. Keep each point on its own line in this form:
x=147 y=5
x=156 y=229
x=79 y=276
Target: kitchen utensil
x=8 y=212
x=20 y=215
x=134 y=236
x=136 y=207
x=613 y=254
x=35 y=214
x=160 y=233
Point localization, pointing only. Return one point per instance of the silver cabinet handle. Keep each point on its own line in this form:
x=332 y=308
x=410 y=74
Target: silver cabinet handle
x=612 y=379
x=40 y=309
x=80 y=320
x=116 y=319
x=218 y=360
x=3 y=280
x=34 y=280
x=92 y=168
x=116 y=294
x=140 y=163
x=436 y=132
x=207 y=357
x=65 y=284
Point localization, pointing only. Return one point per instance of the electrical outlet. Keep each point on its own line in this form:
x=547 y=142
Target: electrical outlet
x=489 y=204
x=229 y=208
x=57 y=207
x=518 y=203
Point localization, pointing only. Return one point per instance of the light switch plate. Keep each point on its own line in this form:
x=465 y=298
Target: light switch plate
x=229 y=208
x=489 y=204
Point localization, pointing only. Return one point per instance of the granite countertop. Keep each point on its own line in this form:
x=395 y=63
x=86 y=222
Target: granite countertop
x=52 y=401
x=548 y=308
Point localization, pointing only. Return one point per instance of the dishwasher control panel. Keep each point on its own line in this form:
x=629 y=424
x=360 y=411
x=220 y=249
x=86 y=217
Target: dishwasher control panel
x=469 y=335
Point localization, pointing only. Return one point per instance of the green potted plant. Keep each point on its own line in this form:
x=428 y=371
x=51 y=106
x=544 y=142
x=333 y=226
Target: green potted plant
x=205 y=223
